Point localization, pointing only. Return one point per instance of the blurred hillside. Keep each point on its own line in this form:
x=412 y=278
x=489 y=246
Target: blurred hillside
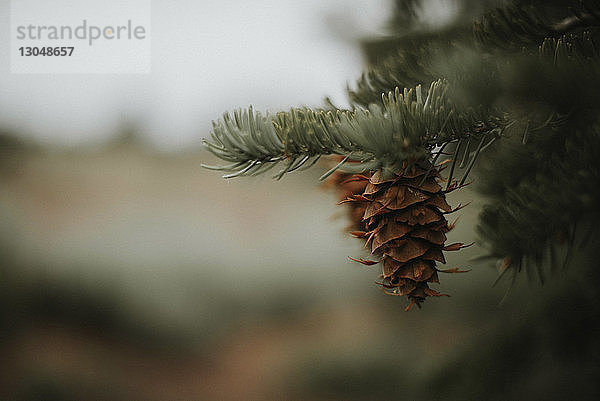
x=133 y=274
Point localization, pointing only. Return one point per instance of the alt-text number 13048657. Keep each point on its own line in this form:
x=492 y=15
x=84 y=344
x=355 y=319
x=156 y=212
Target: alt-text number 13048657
x=58 y=51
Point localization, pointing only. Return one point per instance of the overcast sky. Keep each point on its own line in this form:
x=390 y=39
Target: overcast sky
x=207 y=57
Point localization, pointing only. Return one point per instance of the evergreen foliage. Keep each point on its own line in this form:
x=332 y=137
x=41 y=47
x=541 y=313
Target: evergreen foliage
x=519 y=84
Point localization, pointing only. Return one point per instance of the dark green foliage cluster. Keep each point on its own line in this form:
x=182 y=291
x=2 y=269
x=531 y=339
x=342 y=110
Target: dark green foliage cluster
x=542 y=178
x=539 y=193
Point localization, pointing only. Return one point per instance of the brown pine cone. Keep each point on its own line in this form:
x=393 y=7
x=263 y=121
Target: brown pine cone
x=404 y=223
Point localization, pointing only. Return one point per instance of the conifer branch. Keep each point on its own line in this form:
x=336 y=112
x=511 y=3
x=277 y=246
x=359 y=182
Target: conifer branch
x=408 y=124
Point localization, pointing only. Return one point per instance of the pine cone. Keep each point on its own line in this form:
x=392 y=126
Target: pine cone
x=404 y=223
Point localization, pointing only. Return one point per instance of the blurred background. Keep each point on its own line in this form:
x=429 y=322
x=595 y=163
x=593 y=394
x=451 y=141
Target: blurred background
x=127 y=272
